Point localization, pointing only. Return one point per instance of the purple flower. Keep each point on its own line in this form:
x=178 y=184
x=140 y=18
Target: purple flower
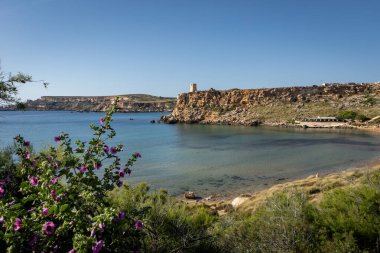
x=121 y=173
x=2 y=221
x=102 y=121
x=17 y=225
x=137 y=154
x=45 y=211
x=114 y=150
x=121 y=215
x=101 y=226
x=92 y=232
x=52 y=193
x=129 y=171
x=72 y=251
x=33 y=181
x=57 y=138
x=139 y=225
x=48 y=227
x=97 y=247
x=98 y=165
x=33 y=240
x=55 y=248
x=119 y=183
x=27 y=156
x=83 y=168
x=11 y=203
x=106 y=149
x=54 y=180
x=2 y=191
x=26 y=143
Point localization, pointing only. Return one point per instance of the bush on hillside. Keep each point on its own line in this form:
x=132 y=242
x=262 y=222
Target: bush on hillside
x=282 y=224
x=170 y=226
x=344 y=115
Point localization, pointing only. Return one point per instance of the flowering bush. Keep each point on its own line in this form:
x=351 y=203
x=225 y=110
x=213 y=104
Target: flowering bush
x=61 y=203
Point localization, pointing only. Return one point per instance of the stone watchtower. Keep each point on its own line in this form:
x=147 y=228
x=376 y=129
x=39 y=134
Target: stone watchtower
x=193 y=87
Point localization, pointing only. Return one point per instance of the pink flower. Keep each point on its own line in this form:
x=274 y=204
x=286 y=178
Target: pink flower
x=2 y=191
x=2 y=220
x=17 y=225
x=83 y=168
x=54 y=180
x=101 y=226
x=114 y=150
x=52 y=193
x=137 y=154
x=57 y=138
x=48 y=227
x=72 y=251
x=139 y=225
x=119 y=183
x=45 y=211
x=121 y=173
x=97 y=247
x=33 y=181
x=27 y=156
x=102 y=121
x=106 y=149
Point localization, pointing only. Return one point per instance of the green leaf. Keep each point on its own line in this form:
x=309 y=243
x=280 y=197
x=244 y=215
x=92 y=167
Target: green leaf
x=52 y=209
x=64 y=207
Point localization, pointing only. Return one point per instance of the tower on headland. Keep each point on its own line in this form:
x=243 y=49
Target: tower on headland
x=193 y=87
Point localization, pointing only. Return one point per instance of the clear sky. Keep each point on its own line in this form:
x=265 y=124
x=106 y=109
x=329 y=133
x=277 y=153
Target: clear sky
x=158 y=47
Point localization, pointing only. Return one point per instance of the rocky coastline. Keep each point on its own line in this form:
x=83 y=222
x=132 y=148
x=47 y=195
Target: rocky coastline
x=127 y=103
x=276 y=106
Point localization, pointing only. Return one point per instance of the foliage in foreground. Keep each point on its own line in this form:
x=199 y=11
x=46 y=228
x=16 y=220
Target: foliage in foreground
x=60 y=203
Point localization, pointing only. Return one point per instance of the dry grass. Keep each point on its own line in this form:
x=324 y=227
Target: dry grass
x=314 y=186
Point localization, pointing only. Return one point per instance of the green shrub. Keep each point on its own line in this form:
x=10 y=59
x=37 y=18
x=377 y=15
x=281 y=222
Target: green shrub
x=282 y=224
x=353 y=214
x=362 y=118
x=347 y=115
x=170 y=226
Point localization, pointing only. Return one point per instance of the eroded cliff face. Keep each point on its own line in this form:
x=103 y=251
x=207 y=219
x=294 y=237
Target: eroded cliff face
x=274 y=105
x=127 y=103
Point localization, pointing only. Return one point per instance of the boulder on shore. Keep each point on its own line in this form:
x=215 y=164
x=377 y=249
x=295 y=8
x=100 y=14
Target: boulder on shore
x=189 y=195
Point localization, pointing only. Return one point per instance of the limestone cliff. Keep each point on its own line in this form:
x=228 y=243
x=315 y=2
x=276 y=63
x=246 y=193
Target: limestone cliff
x=275 y=105
x=127 y=103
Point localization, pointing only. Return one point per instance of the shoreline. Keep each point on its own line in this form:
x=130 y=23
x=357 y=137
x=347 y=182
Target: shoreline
x=315 y=185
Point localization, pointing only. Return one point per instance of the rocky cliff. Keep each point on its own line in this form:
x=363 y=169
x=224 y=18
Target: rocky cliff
x=275 y=105
x=127 y=103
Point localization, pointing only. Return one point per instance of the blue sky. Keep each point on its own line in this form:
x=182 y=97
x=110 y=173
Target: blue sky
x=158 y=47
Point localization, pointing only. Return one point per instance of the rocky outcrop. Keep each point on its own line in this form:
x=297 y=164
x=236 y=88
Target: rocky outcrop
x=274 y=105
x=127 y=103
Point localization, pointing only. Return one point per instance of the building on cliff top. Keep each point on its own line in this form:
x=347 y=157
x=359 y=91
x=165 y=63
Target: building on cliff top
x=193 y=87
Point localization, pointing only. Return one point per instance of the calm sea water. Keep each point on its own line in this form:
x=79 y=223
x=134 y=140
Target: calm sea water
x=205 y=159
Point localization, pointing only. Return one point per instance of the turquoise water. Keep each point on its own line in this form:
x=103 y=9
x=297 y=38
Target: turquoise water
x=206 y=159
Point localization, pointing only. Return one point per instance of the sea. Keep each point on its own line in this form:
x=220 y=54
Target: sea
x=207 y=159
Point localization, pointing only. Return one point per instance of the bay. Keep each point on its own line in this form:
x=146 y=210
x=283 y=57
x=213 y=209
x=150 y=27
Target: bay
x=207 y=159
